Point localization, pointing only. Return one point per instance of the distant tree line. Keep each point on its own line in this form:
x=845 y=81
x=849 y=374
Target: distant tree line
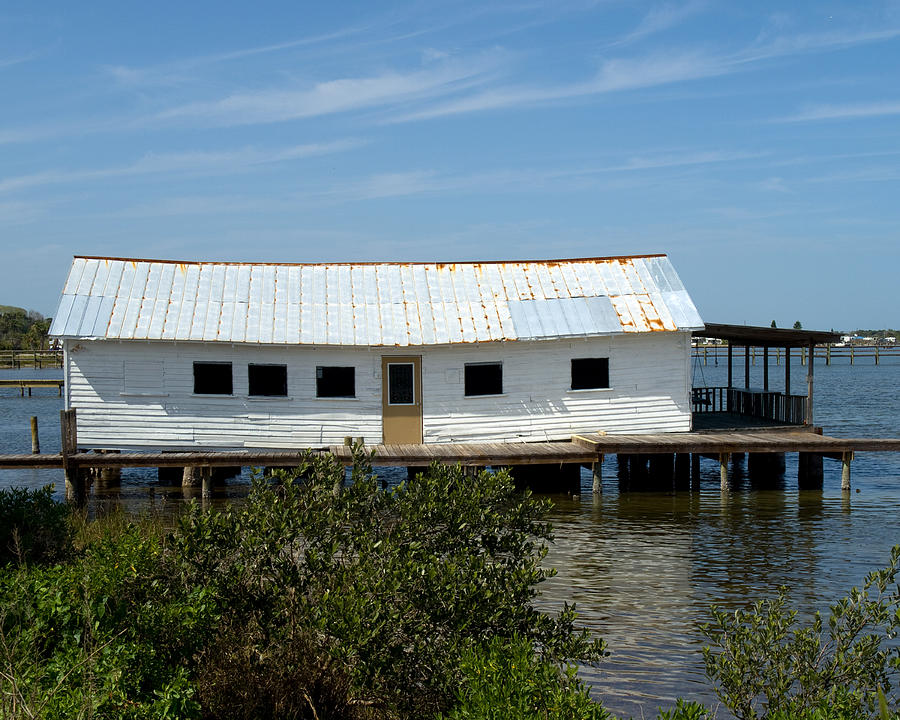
x=22 y=329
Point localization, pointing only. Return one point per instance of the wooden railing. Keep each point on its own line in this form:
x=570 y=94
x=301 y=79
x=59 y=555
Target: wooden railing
x=867 y=354
x=768 y=405
x=18 y=359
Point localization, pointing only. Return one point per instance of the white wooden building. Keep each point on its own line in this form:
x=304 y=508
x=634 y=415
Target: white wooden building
x=182 y=355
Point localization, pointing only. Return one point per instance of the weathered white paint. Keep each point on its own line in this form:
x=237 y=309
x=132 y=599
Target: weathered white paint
x=133 y=394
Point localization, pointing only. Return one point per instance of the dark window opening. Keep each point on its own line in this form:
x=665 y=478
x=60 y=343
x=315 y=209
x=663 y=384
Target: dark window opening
x=590 y=373
x=267 y=380
x=212 y=378
x=400 y=384
x=335 y=381
x=484 y=379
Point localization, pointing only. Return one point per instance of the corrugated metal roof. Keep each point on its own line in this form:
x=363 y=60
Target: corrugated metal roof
x=371 y=304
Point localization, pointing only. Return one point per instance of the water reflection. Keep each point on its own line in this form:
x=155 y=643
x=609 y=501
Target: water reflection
x=644 y=567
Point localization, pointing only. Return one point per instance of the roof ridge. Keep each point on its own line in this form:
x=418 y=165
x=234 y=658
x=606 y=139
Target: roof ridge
x=549 y=261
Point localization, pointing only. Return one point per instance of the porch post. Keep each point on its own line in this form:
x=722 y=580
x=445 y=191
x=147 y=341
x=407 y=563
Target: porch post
x=747 y=366
x=730 y=371
x=809 y=384
x=787 y=371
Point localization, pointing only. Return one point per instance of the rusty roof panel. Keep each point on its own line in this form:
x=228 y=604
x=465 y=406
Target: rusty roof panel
x=371 y=304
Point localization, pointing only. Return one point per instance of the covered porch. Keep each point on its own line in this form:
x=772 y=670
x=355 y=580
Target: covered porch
x=738 y=404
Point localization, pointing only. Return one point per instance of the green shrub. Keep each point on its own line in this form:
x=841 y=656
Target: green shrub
x=312 y=599
x=506 y=680
x=395 y=585
x=34 y=528
x=106 y=635
x=765 y=664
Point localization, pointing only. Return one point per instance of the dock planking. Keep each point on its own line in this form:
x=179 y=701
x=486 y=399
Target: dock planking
x=584 y=448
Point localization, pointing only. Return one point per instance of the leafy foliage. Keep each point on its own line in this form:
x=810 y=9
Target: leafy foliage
x=765 y=664
x=398 y=583
x=33 y=526
x=22 y=330
x=324 y=599
x=506 y=680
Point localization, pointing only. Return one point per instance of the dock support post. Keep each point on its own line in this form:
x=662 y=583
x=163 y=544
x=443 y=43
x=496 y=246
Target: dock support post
x=846 y=457
x=107 y=476
x=68 y=430
x=623 y=470
x=35 y=440
x=723 y=470
x=662 y=470
x=695 y=471
x=809 y=471
x=206 y=481
x=682 y=470
x=597 y=475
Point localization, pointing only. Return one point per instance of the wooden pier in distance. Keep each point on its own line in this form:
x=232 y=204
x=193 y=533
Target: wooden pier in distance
x=28 y=385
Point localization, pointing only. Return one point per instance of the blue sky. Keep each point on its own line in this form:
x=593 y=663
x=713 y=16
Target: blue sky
x=757 y=144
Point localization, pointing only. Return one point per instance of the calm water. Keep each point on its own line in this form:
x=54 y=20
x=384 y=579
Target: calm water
x=644 y=567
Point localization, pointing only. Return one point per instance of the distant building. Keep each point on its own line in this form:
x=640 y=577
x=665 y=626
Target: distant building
x=203 y=354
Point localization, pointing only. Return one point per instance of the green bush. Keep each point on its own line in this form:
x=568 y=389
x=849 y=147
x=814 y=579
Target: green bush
x=313 y=599
x=33 y=527
x=506 y=680
x=396 y=584
x=764 y=663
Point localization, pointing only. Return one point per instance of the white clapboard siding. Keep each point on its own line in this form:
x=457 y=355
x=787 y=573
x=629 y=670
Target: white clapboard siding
x=133 y=395
x=173 y=417
x=649 y=390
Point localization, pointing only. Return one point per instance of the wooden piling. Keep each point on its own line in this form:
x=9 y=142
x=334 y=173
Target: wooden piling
x=723 y=470
x=682 y=470
x=597 y=476
x=846 y=457
x=810 y=473
x=35 y=440
x=68 y=429
x=695 y=471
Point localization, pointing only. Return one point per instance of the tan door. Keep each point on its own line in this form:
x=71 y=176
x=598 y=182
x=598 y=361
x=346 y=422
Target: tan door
x=401 y=399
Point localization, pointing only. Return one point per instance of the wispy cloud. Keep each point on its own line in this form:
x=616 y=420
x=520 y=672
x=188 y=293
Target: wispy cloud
x=614 y=76
x=341 y=95
x=183 y=163
x=846 y=112
x=661 y=18
x=17 y=60
x=802 y=43
x=179 y=71
x=773 y=184
x=426 y=182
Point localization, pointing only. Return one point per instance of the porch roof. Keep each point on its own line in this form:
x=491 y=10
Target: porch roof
x=757 y=336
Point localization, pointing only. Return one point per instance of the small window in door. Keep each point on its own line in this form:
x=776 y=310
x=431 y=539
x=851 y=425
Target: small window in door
x=267 y=380
x=212 y=378
x=401 y=384
x=484 y=379
x=590 y=373
x=335 y=381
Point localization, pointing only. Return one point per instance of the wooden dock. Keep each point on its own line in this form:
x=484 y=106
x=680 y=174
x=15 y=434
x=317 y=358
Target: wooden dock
x=651 y=459
x=581 y=449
